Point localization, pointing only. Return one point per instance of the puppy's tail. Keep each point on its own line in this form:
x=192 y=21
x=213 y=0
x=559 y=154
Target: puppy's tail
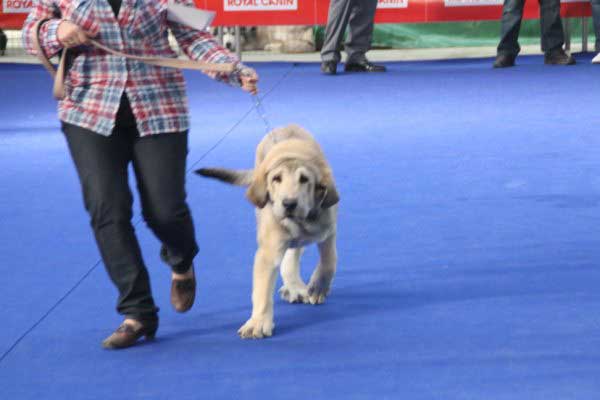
x=234 y=177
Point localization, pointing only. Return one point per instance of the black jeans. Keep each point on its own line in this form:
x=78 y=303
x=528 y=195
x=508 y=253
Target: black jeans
x=159 y=166
x=551 y=26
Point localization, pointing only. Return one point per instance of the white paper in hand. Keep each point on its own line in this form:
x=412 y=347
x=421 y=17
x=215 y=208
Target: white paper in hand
x=189 y=16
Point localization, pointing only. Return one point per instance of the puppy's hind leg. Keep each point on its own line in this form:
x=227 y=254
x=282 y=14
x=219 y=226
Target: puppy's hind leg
x=320 y=281
x=294 y=289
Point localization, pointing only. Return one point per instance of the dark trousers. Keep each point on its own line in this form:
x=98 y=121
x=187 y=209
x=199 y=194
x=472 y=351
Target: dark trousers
x=358 y=16
x=159 y=165
x=3 y=41
x=596 y=18
x=551 y=26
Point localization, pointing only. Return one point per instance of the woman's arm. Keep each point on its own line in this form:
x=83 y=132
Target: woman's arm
x=43 y=10
x=202 y=46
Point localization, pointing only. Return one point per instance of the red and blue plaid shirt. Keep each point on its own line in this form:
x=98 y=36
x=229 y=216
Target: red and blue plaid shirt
x=96 y=80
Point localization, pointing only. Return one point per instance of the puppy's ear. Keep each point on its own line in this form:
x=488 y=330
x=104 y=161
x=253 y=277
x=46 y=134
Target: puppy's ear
x=327 y=196
x=257 y=191
x=326 y=191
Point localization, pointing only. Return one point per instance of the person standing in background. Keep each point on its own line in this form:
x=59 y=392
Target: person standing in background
x=596 y=19
x=358 y=16
x=552 y=34
x=3 y=42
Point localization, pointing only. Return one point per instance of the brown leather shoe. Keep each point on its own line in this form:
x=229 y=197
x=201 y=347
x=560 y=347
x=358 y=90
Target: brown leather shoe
x=183 y=293
x=126 y=335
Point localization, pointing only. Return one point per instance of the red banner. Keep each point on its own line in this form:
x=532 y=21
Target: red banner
x=314 y=12
x=269 y=12
x=13 y=13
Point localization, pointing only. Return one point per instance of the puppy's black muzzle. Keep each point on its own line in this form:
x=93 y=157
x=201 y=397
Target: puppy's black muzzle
x=289 y=205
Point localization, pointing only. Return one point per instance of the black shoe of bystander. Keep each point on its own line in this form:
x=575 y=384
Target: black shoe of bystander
x=364 y=66
x=558 y=57
x=329 y=67
x=504 y=61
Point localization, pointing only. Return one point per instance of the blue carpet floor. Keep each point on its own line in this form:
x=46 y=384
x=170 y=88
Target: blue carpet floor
x=469 y=244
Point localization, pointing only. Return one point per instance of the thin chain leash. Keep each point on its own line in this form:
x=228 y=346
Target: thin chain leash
x=260 y=110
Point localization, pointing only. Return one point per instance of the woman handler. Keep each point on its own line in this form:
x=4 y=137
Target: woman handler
x=118 y=111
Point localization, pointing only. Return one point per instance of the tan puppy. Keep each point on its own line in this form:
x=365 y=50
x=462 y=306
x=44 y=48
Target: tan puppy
x=293 y=189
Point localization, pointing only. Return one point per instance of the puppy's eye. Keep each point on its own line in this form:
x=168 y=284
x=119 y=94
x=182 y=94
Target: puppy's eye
x=303 y=179
x=277 y=178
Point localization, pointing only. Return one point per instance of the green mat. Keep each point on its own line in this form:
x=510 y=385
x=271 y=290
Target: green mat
x=457 y=34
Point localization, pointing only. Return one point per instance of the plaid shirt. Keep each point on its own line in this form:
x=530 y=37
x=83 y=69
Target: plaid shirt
x=96 y=80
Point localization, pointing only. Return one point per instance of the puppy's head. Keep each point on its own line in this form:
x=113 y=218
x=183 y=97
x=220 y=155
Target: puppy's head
x=295 y=183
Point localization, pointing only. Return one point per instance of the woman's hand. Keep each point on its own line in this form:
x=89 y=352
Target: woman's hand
x=70 y=35
x=249 y=79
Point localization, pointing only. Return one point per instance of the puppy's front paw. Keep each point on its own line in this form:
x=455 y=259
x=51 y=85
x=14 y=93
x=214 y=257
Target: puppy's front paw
x=257 y=328
x=294 y=294
x=318 y=290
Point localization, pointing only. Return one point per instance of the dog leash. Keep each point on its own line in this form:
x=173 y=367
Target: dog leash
x=260 y=110
x=59 y=74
